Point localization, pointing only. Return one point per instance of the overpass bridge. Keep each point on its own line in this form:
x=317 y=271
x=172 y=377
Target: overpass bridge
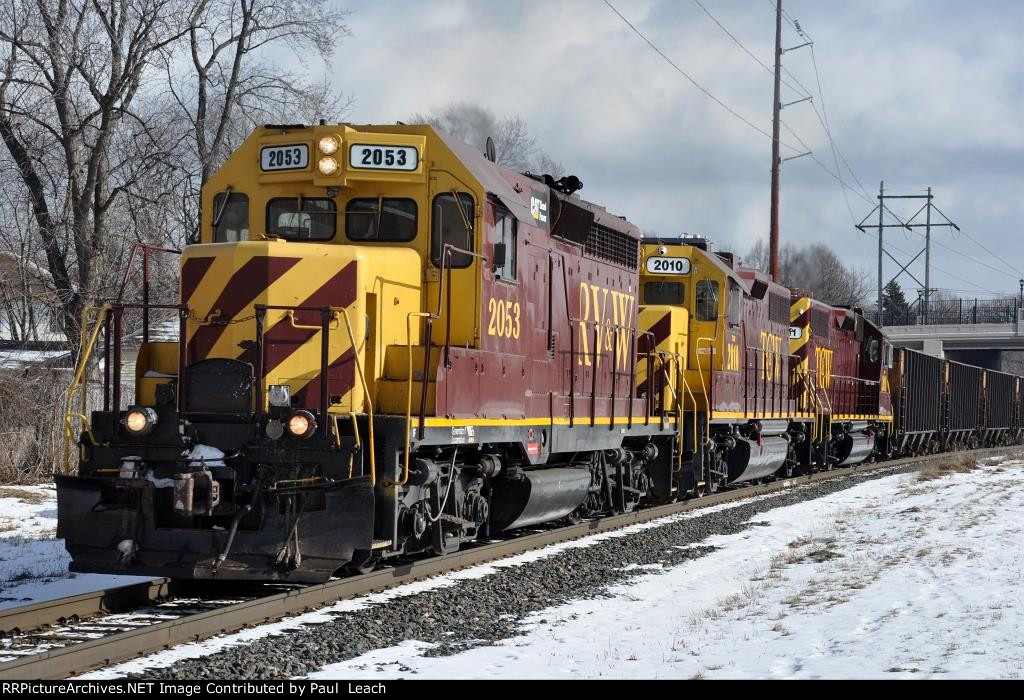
x=994 y=345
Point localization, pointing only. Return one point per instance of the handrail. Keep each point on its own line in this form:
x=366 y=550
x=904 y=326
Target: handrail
x=598 y=326
x=445 y=284
x=649 y=356
x=408 y=396
x=366 y=393
x=86 y=345
x=711 y=368
x=310 y=327
x=146 y=250
x=327 y=312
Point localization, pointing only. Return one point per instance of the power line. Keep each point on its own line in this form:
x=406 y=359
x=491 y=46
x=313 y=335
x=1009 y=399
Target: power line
x=837 y=175
x=841 y=183
x=828 y=129
x=968 y=257
x=950 y=274
x=983 y=247
x=748 y=51
x=693 y=82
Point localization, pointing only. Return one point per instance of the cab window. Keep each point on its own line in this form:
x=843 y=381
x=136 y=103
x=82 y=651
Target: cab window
x=664 y=293
x=451 y=222
x=707 y=300
x=380 y=219
x=735 y=303
x=230 y=217
x=505 y=234
x=302 y=219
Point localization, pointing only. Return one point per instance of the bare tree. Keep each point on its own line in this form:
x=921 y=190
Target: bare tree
x=114 y=112
x=816 y=269
x=226 y=88
x=71 y=72
x=514 y=146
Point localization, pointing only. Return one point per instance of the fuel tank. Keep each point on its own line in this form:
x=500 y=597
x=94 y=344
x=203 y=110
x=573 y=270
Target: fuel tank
x=751 y=459
x=537 y=496
x=854 y=445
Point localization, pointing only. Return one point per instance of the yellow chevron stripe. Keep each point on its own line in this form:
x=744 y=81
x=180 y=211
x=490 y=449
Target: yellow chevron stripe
x=210 y=287
x=291 y=288
x=797 y=309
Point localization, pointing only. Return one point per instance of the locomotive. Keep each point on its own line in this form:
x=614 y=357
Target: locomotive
x=390 y=345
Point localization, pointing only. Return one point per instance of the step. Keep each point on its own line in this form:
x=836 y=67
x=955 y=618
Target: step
x=392 y=396
x=396 y=361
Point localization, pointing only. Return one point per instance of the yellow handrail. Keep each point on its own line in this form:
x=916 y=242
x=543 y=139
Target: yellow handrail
x=711 y=368
x=366 y=392
x=408 y=393
x=86 y=346
x=359 y=441
x=304 y=327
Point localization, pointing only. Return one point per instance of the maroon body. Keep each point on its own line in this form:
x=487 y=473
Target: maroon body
x=551 y=334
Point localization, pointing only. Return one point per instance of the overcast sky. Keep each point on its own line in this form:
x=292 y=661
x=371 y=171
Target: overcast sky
x=918 y=93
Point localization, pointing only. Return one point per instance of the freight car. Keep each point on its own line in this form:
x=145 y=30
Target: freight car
x=390 y=345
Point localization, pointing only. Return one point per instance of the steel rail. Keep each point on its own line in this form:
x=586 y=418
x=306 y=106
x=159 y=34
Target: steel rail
x=25 y=618
x=116 y=648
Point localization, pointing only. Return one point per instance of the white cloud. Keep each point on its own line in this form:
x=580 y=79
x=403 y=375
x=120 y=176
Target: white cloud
x=919 y=92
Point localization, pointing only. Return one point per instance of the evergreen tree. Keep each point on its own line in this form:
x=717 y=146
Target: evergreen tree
x=894 y=303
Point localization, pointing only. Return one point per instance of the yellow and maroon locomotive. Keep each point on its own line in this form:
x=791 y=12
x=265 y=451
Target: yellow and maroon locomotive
x=388 y=344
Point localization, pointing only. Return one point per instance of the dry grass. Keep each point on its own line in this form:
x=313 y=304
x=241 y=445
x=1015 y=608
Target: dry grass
x=23 y=496
x=31 y=424
x=954 y=465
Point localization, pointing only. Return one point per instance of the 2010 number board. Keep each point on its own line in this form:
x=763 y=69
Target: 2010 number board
x=379 y=157
x=668 y=266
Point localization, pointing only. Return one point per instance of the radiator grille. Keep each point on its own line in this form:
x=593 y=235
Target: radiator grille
x=605 y=244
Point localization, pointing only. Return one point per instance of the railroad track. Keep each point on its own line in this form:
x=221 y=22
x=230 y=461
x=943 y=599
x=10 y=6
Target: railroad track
x=62 y=638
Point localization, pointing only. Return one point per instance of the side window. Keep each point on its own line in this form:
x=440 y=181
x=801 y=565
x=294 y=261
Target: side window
x=505 y=234
x=707 y=300
x=735 y=303
x=230 y=217
x=664 y=293
x=305 y=219
x=384 y=219
x=451 y=222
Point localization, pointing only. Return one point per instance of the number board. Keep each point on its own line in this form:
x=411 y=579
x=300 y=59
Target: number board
x=291 y=157
x=668 y=266
x=373 y=157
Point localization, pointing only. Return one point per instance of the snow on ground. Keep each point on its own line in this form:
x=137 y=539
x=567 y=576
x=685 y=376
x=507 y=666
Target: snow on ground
x=896 y=577
x=33 y=563
x=199 y=649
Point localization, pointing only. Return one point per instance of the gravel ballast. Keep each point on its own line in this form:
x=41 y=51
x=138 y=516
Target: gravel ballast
x=484 y=610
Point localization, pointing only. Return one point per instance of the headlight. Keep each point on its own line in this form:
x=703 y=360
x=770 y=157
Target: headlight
x=301 y=424
x=139 y=420
x=279 y=395
x=327 y=166
x=328 y=145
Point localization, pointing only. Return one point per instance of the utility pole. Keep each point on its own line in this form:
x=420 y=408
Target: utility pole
x=928 y=255
x=881 y=248
x=773 y=236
